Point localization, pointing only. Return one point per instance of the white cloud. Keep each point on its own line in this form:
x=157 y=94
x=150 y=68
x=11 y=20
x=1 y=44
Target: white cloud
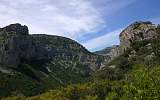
x=103 y=41
x=71 y=18
x=62 y=17
x=7 y=15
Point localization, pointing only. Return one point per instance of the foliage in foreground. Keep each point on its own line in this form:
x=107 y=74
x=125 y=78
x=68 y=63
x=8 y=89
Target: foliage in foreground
x=142 y=83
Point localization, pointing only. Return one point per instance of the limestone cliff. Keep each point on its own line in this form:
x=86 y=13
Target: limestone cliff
x=16 y=46
x=137 y=31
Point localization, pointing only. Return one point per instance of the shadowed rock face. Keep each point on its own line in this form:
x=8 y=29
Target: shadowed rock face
x=14 y=29
x=10 y=42
x=16 y=46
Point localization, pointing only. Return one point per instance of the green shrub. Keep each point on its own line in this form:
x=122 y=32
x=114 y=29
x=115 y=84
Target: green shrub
x=143 y=83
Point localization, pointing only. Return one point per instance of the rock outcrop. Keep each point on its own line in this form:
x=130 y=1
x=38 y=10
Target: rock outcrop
x=135 y=32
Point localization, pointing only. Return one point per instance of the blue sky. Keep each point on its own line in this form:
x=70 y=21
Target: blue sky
x=95 y=24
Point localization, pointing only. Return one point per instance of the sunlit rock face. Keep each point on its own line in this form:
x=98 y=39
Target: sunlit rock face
x=138 y=31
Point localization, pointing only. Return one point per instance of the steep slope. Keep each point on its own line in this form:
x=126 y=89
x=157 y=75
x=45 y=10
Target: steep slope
x=139 y=44
x=138 y=31
x=17 y=45
x=30 y=64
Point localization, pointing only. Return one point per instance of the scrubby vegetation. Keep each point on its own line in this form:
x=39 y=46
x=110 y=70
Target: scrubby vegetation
x=35 y=80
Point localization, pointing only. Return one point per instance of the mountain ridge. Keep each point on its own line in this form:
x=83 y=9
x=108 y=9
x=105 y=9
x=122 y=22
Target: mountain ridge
x=42 y=61
x=45 y=62
x=19 y=34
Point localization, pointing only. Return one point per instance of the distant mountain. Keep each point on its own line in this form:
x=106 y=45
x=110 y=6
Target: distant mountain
x=112 y=52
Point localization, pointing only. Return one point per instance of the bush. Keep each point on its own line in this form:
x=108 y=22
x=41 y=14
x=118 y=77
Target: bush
x=143 y=83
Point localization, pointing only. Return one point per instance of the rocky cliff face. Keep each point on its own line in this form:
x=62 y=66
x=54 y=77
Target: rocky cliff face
x=112 y=52
x=135 y=32
x=16 y=46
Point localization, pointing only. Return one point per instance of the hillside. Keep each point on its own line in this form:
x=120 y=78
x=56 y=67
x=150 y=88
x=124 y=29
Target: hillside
x=31 y=64
x=126 y=71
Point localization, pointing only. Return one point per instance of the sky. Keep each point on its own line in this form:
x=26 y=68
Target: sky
x=96 y=24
